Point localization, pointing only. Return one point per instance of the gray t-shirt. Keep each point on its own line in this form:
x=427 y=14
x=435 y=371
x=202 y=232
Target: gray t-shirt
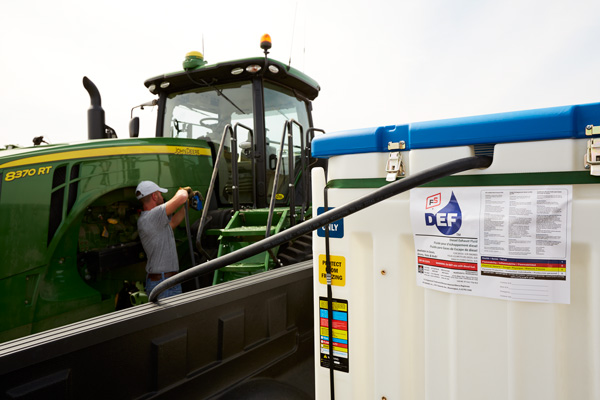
x=158 y=240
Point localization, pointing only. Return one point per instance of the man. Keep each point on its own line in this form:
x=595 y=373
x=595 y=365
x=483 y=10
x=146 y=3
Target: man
x=155 y=226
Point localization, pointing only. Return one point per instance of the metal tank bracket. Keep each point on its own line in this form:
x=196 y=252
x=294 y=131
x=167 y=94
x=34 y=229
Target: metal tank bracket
x=592 y=157
x=592 y=154
x=394 y=165
x=591 y=130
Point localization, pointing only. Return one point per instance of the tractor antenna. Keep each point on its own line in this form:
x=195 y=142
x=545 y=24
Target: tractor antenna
x=304 y=45
x=293 y=31
x=203 y=53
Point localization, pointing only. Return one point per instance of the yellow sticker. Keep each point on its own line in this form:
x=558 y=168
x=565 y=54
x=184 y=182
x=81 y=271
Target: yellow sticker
x=338 y=270
x=279 y=196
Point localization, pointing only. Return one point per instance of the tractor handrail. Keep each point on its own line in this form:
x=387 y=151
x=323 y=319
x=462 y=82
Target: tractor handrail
x=211 y=186
x=276 y=179
x=287 y=128
x=234 y=171
x=292 y=182
x=234 y=164
x=310 y=135
x=383 y=193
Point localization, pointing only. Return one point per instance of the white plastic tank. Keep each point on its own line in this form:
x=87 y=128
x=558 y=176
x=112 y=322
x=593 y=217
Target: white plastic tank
x=482 y=285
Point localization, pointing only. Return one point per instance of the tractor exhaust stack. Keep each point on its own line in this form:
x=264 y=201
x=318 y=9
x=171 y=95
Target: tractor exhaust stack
x=96 y=126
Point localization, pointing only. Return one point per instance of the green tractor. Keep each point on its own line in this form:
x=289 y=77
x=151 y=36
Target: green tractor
x=238 y=131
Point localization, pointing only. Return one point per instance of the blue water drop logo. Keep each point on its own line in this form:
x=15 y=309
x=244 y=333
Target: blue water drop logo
x=448 y=220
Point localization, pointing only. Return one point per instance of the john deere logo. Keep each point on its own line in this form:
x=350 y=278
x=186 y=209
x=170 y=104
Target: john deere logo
x=448 y=220
x=187 y=151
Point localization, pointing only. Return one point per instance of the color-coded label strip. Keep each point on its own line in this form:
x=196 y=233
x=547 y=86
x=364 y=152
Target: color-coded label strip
x=339 y=325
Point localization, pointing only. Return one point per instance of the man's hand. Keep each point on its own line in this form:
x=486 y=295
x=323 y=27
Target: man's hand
x=188 y=190
x=192 y=193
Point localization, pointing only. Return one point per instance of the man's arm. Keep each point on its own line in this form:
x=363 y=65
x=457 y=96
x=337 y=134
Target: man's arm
x=173 y=204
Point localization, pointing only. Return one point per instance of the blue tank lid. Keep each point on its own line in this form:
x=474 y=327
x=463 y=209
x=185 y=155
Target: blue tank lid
x=566 y=122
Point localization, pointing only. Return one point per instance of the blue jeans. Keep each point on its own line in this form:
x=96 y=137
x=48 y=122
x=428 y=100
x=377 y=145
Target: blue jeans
x=167 y=293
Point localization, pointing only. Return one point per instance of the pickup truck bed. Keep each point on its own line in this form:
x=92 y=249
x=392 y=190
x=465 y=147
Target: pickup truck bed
x=248 y=338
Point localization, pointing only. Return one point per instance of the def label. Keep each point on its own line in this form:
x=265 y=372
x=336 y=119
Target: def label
x=448 y=220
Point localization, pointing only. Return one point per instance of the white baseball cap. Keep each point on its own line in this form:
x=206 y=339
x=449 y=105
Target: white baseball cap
x=147 y=187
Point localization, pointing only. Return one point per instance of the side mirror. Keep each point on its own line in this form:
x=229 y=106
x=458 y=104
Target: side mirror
x=272 y=162
x=134 y=127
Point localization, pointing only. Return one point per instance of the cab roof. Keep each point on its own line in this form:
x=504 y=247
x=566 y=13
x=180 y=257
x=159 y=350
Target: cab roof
x=221 y=73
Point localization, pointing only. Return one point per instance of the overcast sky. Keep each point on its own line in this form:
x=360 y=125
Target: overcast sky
x=378 y=62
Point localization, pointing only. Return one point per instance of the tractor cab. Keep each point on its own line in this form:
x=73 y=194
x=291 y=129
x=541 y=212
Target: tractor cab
x=255 y=116
x=255 y=98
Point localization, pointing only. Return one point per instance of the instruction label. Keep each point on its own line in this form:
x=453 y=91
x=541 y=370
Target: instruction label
x=338 y=270
x=339 y=326
x=510 y=243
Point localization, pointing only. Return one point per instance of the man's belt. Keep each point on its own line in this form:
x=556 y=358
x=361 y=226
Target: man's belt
x=158 y=277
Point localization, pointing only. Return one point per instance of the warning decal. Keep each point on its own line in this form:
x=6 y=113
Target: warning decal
x=338 y=270
x=527 y=269
x=339 y=329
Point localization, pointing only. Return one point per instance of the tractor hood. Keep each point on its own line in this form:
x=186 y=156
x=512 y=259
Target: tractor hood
x=30 y=156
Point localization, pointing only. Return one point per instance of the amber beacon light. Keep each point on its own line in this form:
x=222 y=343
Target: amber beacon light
x=265 y=42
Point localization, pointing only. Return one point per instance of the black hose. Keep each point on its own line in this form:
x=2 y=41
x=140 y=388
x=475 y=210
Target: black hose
x=189 y=235
x=329 y=299
x=418 y=179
